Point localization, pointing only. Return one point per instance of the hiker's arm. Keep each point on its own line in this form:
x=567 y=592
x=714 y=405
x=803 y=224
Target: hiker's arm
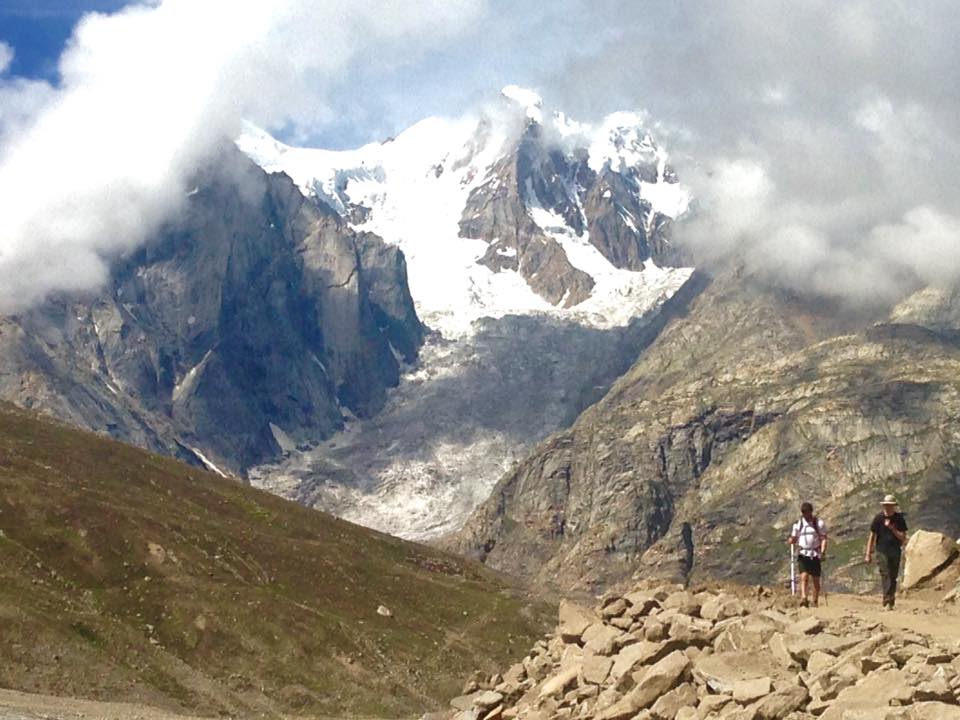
x=823 y=544
x=898 y=534
x=871 y=539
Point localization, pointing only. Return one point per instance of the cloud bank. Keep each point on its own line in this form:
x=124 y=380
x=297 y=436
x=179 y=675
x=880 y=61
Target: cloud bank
x=91 y=167
x=821 y=137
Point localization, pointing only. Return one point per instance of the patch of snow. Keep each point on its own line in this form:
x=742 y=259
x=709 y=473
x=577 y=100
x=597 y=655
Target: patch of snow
x=207 y=463
x=285 y=442
x=619 y=295
x=190 y=377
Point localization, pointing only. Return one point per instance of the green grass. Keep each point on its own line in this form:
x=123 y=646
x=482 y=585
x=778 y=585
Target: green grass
x=254 y=604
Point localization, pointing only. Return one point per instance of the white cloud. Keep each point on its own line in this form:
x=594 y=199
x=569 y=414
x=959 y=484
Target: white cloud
x=92 y=167
x=6 y=57
x=848 y=106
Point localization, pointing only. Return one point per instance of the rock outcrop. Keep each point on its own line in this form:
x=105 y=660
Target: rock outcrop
x=669 y=657
x=695 y=463
x=251 y=323
x=536 y=182
x=926 y=554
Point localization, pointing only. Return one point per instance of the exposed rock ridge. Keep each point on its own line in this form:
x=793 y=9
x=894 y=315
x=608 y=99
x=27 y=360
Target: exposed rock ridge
x=253 y=321
x=605 y=206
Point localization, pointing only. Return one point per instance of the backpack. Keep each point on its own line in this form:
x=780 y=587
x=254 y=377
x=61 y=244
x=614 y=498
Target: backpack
x=815 y=525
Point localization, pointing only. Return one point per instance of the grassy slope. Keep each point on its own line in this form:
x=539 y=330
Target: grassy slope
x=129 y=576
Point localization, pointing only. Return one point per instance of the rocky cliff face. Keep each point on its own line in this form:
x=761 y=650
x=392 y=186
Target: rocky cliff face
x=249 y=324
x=694 y=465
x=508 y=210
x=538 y=195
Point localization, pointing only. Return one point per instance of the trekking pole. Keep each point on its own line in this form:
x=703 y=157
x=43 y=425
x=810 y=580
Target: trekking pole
x=823 y=580
x=793 y=569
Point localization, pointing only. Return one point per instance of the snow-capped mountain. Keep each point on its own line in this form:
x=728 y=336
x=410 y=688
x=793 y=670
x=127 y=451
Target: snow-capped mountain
x=538 y=247
x=505 y=211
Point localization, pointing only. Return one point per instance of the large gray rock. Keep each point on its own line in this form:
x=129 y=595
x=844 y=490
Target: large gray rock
x=243 y=328
x=925 y=555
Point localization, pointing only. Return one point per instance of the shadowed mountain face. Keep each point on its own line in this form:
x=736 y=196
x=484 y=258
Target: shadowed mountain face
x=696 y=462
x=245 y=326
x=129 y=576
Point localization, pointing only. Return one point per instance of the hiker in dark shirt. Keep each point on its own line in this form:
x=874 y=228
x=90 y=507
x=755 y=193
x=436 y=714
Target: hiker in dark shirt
x=888 y=533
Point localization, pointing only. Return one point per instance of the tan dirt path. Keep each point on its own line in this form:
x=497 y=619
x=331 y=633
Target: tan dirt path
x=915 y=612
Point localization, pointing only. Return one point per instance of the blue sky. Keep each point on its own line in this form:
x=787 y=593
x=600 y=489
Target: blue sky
x=38 y=29
x=523 y=43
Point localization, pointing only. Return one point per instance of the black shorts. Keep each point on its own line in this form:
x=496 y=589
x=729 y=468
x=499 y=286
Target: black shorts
x=809 y=565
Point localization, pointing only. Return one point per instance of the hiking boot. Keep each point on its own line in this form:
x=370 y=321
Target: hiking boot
x=804 y=602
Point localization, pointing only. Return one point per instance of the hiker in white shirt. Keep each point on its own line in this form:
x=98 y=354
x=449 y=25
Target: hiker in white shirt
x=809 y=534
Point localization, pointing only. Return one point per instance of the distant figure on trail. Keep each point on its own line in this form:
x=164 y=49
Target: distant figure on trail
x=809 y=534
x=888 y=533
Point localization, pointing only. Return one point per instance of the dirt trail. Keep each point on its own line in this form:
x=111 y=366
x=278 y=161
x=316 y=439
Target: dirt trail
x=916 y=612
x=27 y=706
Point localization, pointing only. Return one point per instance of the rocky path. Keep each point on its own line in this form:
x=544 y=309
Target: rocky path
x=917 y=612
x=665 y=653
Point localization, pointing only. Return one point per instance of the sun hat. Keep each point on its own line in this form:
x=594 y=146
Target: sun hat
x=889 y=500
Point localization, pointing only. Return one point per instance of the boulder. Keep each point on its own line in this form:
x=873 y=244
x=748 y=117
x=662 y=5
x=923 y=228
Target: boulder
x=659 y=678
x=934 y=690
x=781 y=653
x=559 y=682
x=721 y=607
x=925 y=555
x=712 y=704
x=654 y=630
x=803 y=647
x=574 y=620
x=482 y=700
x=601 y=639
x=934 y=711
x=641 y=604
x=874 y=691
x=682 y=602
x=690 y=631
x=634 y=656
x=596 y=669
x=614 y=609
x=781 y=703
x=747 y=691
x=818 y=661
x=669 y=705
x=621 y=623
x=808 y=626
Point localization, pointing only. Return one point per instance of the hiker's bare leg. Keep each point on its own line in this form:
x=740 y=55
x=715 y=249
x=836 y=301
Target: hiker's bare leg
x=816 y=589
x=804 y=580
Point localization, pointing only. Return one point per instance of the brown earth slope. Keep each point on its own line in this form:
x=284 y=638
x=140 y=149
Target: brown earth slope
x=127 y=576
